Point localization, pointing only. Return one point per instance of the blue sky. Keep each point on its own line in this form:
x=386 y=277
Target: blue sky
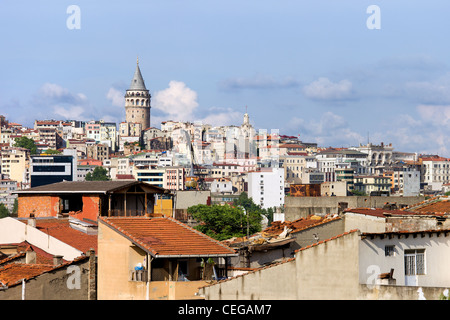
x=308 y=68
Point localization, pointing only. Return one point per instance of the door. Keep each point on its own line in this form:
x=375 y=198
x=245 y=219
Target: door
x=414 y=266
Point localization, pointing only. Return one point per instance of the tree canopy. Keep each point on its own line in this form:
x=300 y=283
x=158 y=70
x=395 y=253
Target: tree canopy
x=250 y=206
x=52 y=151
x=27 y=143
x=225 y=222
x=4 y=212
x=99 y=174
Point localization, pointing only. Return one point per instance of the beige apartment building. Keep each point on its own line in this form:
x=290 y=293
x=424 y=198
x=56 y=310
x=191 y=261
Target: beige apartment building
x=15 y=163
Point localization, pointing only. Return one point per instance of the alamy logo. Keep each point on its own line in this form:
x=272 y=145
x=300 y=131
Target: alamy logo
x=74 y=20
x=372 y=279
x=374 y=20
x=74 y=280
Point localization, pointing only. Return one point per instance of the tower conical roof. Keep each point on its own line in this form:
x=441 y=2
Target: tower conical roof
x=138 y=82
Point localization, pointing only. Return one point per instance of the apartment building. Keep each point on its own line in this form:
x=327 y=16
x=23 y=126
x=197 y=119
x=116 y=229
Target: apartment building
x=404 y=182
x=373 y=185
x=149 y=174
x=173 y=178
x=15 y=163
x=266 y=187
x=7 y=187
x=331 y=159
x=435 y=172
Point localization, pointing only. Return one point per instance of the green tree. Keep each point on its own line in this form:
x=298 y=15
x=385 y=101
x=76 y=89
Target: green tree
x=3 y=211
x=99 y=174
x=224 y=222
x=358 y=193
x=52 y=151
x=15 y=209
x=247 y=203
x=27 y=143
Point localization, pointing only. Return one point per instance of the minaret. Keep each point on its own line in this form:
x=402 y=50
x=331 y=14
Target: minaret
x=137 y=101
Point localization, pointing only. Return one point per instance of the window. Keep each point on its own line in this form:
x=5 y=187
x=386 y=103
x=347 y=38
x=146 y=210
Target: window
x=414 y=262
x=389 y=251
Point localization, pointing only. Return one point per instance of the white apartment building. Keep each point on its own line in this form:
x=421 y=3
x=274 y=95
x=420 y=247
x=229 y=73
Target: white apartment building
x=330 y=160
x=435 y=172
x=377 y=155
x=405 y=182
x=266 y=187
x=221 y=185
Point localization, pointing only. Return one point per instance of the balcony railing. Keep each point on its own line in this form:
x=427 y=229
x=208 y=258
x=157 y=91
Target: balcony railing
x=138 y=275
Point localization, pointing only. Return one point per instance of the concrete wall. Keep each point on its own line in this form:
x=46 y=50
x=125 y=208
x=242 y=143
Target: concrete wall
x=300 y=207
x=385 y=292
x=59 y=284
x=325 y=271
x=116 y=258
x=14 y=231
x=364 y=223
x=186 y=199
x=437 y=258
x=318 y=233
x=336 y=269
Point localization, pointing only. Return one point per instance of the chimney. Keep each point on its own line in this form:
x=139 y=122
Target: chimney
x=32 y=220
x=30 y=257
x=57 y=260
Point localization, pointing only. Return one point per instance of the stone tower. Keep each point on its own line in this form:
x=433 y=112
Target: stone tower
x=137 y=101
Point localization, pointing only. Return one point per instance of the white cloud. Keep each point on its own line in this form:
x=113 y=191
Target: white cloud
x=430 y=92
x=116 y=97
x=330 y=130
x=177 y=101
x=435 y=115
x=74 y=112
x=324 y=89
x=61 y=101
x=56 y=93
x=258 y=82
x=222 y=117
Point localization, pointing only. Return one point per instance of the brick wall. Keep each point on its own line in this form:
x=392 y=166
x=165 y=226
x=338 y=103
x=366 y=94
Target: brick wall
x=40 y=205
x=91 y=208
x=48 y=206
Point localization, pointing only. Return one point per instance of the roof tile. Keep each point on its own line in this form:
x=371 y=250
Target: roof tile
x=166 y=236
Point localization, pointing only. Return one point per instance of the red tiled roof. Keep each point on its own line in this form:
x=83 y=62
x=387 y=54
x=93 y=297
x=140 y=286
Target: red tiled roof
x=125 y=177
x=438 y=207
x=14 y=273
x=435 y=159
x=165 y=236
x=42 y=257
x=298 y=225
x=61 y=230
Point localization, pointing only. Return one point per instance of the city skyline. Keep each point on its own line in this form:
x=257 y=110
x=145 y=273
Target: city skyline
x=314 y=70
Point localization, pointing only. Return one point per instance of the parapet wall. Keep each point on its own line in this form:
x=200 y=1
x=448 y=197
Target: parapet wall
x=300 y=207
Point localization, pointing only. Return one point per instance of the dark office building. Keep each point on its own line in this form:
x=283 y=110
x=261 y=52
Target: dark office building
x=52 y=168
